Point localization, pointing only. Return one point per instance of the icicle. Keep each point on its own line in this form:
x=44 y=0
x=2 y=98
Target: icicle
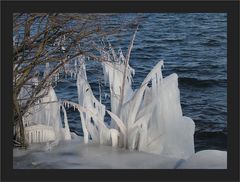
x=55 y=76
x=160 y=72
x=150 y=75
x=132 y=71
x=75 y=63
x=119 y=122
x=121 y=56
x=113 y=52
x=93 y=109
x=133 y=138
x=34 y=132
x=14 y=40
x=135 y=104
x=66 y=130
x=100 y=93
x=114 y=137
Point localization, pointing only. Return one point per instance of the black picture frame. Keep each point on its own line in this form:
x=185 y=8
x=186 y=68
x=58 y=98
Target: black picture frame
x=229 y=174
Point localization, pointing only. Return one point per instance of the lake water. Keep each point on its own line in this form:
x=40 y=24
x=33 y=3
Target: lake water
x=193 y=45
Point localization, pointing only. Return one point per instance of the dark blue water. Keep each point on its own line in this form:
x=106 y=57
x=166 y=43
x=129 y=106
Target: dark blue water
x=192 y=45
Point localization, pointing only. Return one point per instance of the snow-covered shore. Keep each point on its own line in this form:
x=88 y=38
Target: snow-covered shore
x=75 y=154
x=148 y=129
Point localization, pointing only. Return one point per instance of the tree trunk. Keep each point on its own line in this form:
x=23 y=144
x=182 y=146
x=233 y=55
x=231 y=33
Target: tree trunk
x=20 y=134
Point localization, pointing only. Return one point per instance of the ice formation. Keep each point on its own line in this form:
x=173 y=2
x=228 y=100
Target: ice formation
x=147 y=119
x=92 y=113
x=43 y=121
x=150 y=118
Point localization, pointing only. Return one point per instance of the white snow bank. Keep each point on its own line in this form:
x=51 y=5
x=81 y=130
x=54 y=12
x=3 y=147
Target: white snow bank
x=206 y=159
x=74 y=154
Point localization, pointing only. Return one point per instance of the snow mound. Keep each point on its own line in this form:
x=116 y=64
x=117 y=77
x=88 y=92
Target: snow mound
x=206 y=159
x=74 y=154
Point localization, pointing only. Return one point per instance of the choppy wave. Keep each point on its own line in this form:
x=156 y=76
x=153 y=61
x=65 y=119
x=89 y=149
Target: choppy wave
x=195 y=82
